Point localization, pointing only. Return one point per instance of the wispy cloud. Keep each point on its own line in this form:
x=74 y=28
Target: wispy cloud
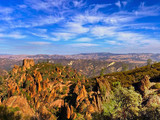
x=39 y=43
x=79 y=4
x=84 y=45
x=118 y=3
x=23 y=6
x=6 y=10
x=76 y=28
x=100 y=31
x=84 y=39
x=15 y=35
x=63 y=35
x=5 y=13
x=38 y=21
x=147 y=10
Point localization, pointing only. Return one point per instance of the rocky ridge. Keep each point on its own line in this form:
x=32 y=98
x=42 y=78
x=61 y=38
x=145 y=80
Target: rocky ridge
x=45 y=89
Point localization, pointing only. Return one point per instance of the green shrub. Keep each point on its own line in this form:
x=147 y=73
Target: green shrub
x=157 y=86
x=124 y=103
x=151 y=113
x=1 y=80
x=9 y=113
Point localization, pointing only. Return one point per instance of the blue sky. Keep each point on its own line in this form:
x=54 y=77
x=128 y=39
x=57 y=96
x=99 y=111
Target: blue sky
x=79 y=26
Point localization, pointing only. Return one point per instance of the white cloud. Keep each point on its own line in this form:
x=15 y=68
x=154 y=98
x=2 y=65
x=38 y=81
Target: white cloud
x=96 y=8
x=38 y=21
x=79 y=4
x=48 y=5
x=100 y=31
x=63 y=35
x=119 y=18
x=84 y=19
x=129 y=37
x=6 y=18
x=45 y=20
x=118 y=3
x=39 y=43
x=40 y=35
x=84 y=39
x=84 y=45
x=5 y=13
x=74 y=27
x=6 y=10
x=22 y=6
x=135 y=39
x=144 y=11
x=15 y=35
x=38 y=4
x=111 y=42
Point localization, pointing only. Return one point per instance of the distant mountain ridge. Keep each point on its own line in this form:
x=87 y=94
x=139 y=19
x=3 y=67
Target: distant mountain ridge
x=130 y=57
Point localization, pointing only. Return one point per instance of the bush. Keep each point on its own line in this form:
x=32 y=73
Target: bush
x=151 y=113
x=156 y=86
x=8 y=113
x=124 y=103
x=1 y=80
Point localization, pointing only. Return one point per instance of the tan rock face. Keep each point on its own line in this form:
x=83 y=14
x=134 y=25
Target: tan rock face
x=145 y=85
x=39 y=87
x=45 y=114
x=90 y=109
x=74 y=115
x=21 y=103
x=38 y=77
x=15 y=69
x=28 y=63
x=153 y=100
x=104 y=87
x=58 y=103
x=82 y=95
x=68 y=112
x=23 y=77
x=76 y=89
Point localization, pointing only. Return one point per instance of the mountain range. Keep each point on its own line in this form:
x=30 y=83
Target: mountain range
x=89 y=64
x=130 y=57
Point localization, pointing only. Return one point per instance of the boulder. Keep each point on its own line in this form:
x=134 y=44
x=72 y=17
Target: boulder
x=21 y=103
x=153 y=101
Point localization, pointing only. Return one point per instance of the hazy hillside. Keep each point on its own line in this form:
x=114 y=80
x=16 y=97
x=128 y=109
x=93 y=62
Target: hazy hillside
x=89 y=68
x=131 y=57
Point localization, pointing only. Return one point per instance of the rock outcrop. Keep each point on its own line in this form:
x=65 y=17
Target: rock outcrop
x=52 y=90
x=145 y=86
x=28 y=63
x=21 y=103
x=153 y=100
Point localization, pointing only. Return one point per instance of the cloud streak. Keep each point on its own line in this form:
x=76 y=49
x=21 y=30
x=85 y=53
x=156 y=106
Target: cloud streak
x=39 y=43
